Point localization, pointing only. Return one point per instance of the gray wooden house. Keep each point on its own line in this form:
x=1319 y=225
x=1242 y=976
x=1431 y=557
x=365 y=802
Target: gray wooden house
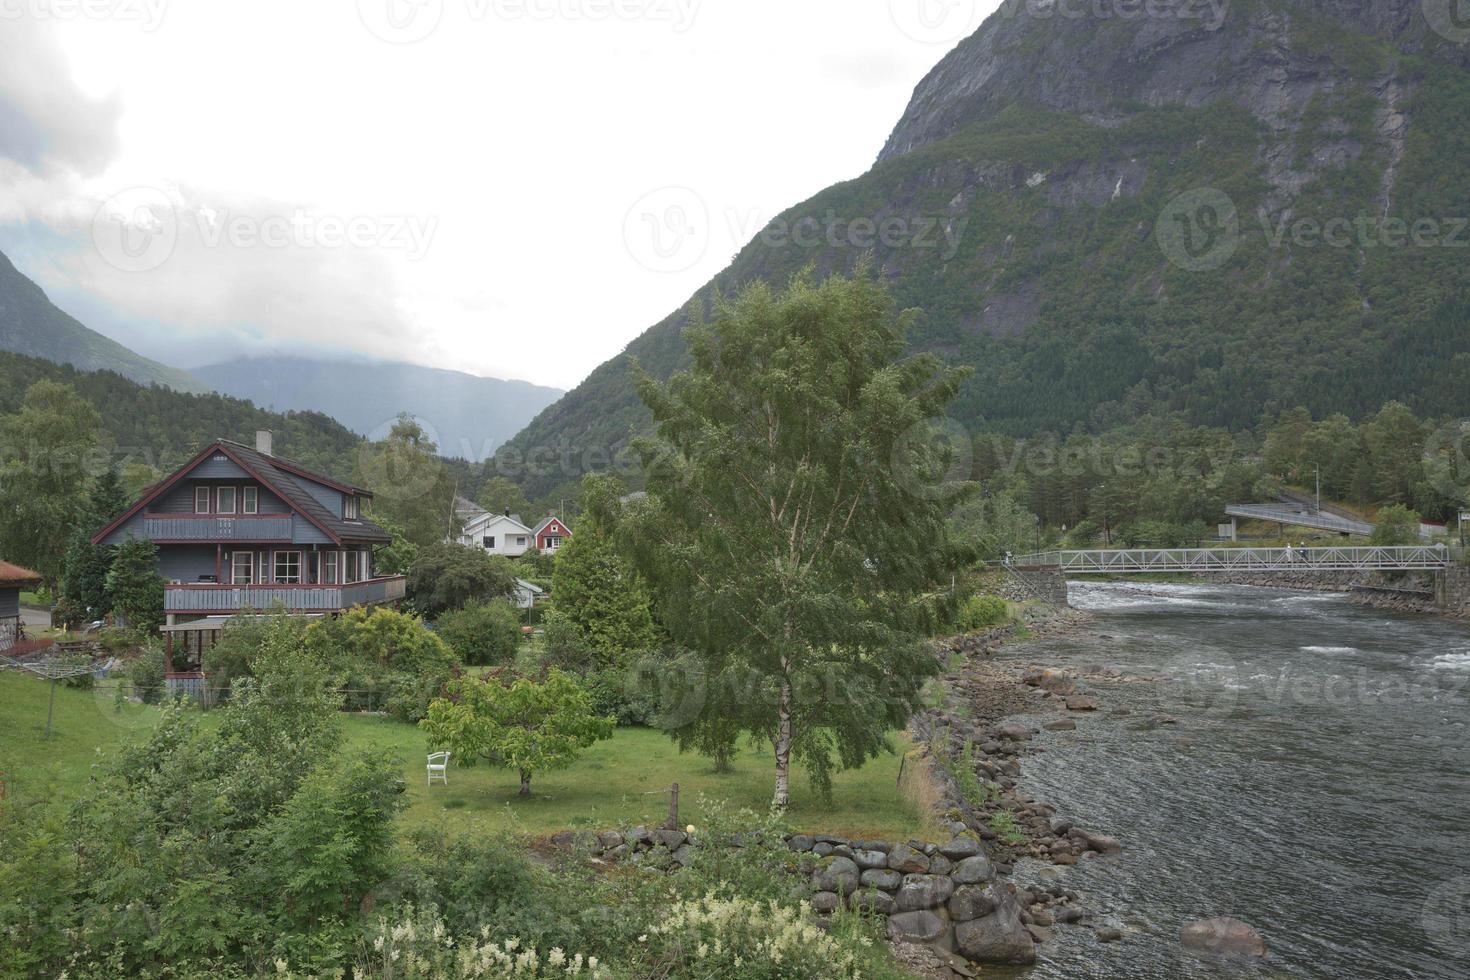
x=240 y=528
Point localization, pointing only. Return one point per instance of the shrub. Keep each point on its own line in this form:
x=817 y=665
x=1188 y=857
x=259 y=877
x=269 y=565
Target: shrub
x=483 y=632
x=752 y=940
x=450 y=576
x=982 y=612
x=387 y=659
x=1397 y=525
x=615 y=693
x=147 y=675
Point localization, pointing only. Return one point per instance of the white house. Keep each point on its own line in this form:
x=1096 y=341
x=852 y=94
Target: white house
x=499 y=534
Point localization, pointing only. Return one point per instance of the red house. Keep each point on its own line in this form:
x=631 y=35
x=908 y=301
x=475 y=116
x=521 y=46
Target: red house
x=551 y=534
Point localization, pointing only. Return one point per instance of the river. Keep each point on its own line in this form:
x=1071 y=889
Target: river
x=1316 y=783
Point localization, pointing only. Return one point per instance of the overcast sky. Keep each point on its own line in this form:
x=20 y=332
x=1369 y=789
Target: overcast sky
x=514 y=188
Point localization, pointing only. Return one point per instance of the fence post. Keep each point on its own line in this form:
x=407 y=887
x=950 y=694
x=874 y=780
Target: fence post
x=673 y=821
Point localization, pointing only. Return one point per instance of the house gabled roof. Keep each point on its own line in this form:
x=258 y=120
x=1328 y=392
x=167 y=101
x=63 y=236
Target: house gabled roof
x=13 y=576
x=485 y=520
x=281 y=476
x=552 y=517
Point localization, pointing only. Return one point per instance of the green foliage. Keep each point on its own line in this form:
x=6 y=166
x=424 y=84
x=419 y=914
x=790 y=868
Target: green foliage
x=146 y=674
x=483 y=632
x=331 y=843
x=398 y=556
x=47 y=451
x=1397 y=525
x=383 y=659
x=501 y=495
x=526 y=726
x=134 y=587
x=598 y=593
x=412 y=487
x=446 y=577
x=799 y=520
x=982 y=612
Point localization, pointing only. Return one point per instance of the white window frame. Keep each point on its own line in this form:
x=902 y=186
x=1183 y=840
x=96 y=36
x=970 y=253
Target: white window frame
x=553 y=541
x=219 y=500
x=249 y=500
x=350 y=508
x=247 y=566
x=276 y=577
x=354 y=568
x=202 y=493
x=330 y=574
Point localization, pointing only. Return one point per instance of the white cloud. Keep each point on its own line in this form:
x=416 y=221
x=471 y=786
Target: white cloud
x=510 y=147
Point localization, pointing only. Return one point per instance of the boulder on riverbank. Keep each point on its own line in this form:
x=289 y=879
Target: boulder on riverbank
x=1222 y=936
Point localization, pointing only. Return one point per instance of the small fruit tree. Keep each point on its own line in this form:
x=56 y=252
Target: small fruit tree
x=524 y=725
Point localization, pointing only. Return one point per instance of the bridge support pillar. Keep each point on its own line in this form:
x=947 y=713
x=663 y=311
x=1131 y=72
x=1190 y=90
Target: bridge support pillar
x=1452 y=589
x=1047 y=584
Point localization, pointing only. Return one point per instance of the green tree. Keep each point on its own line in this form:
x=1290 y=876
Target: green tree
x=597 y=590
x=525 y=726
x=47 y=452
x=1396 y=525
x=134 y=587
x=501 y=495
x=84 y=581
x=802 y=525
x=412 y=487
x=449 y=576
x=398 y=556
x=483 y=632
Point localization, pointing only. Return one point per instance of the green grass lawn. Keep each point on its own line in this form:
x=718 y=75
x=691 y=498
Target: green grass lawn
x=617 y=783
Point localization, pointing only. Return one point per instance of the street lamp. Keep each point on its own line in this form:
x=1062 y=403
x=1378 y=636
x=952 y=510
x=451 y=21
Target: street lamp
x=1318 y=468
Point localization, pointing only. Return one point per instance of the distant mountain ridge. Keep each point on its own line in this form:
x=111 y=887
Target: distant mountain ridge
x=32 y=325
x=470 y=417
x=1136 y=205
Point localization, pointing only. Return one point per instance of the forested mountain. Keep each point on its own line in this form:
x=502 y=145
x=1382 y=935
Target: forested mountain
x=30 y=324
x=469 y=417
x=1213 y=215
x=162 y=428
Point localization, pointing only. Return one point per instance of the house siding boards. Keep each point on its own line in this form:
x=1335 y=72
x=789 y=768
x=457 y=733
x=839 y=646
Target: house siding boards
x=551 y=534
x=9 y=601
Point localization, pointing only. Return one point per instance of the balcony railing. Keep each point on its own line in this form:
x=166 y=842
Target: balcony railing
x=224 y=599
x=245 y=527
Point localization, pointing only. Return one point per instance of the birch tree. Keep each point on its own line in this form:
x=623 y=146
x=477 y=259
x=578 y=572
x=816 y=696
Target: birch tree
x=796 y=538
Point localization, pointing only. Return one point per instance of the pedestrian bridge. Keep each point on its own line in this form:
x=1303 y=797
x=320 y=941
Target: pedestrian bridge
x=1142 y=561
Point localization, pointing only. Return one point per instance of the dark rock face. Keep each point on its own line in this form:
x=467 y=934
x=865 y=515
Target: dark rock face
x=997 y=938
x=1090 y=65
x=840 y=876
x=916 y=927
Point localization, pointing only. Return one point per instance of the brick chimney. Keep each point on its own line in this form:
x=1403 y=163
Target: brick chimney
x=263 y=442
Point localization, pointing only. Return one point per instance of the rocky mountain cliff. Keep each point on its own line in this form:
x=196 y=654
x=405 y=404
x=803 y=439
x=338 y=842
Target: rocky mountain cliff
x=1217 y=212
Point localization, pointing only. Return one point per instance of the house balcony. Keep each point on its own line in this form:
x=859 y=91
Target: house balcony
x=184 y=528
x=224 y=600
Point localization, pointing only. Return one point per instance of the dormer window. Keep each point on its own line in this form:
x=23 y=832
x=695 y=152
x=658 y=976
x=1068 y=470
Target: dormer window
x=349 y=508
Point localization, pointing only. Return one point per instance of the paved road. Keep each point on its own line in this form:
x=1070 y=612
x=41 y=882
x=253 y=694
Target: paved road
x=38 y=618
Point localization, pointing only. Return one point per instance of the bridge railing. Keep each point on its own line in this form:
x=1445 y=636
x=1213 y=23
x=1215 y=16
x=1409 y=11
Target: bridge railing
x=1144 y=560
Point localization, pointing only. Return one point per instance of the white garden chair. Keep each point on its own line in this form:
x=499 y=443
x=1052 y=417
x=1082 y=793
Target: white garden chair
x=439 y=768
